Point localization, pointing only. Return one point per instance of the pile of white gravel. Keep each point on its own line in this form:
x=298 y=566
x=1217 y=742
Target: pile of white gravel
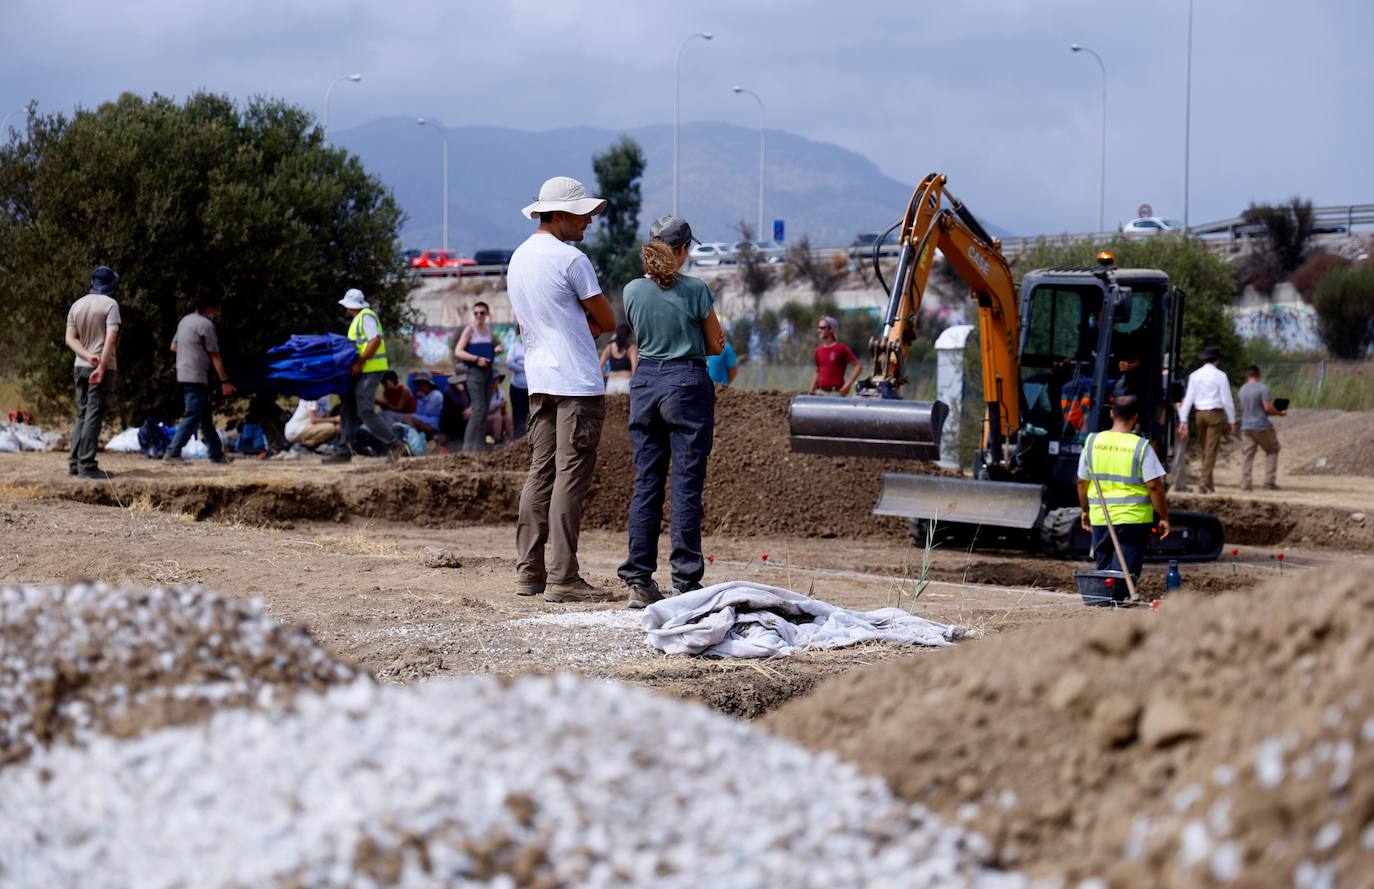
x=536 y=782
x=91 y=658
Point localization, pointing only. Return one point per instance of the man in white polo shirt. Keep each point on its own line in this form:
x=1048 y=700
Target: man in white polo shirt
x=555 y=294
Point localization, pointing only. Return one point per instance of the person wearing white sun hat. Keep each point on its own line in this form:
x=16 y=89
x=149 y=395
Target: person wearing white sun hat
x=359 y=408
x=554 y=292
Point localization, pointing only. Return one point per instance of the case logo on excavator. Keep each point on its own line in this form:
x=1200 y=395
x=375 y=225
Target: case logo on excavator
x=977 y=258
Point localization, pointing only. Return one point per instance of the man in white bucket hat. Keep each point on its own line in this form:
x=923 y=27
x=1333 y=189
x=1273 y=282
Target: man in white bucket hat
x=359 y=410
x=555 y=294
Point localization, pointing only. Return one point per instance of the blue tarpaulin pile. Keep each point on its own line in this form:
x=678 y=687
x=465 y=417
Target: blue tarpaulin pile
x=308 y=366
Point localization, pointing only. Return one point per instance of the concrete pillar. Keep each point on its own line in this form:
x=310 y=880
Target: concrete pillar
x=949 y=387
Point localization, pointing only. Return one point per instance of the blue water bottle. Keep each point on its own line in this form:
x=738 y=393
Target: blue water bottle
x=1174 y=580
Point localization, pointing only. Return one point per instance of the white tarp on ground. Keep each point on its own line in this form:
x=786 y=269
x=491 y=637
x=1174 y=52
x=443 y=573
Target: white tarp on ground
x=16 y=437
x=742 y=619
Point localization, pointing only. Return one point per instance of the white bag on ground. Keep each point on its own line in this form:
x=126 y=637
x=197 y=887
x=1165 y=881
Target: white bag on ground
x=125 y=442
x=9 y=442
x=743 y=619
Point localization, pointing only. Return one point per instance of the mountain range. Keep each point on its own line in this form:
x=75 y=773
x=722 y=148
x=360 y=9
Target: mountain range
x=824 y=191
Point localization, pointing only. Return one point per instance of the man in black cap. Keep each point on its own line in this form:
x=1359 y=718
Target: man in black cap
x=1209 y=393
x=92 y=329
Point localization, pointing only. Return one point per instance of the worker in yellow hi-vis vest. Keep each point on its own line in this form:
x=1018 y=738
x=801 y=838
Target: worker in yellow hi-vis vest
x=1132 y=480
x=359 y=408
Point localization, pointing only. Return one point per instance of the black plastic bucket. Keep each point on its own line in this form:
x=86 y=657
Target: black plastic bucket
x=1102 y=588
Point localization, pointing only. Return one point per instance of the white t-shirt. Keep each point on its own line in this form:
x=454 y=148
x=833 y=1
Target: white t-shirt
x=547 y=280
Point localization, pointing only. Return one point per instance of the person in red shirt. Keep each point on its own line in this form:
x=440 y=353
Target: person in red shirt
x=832 y=358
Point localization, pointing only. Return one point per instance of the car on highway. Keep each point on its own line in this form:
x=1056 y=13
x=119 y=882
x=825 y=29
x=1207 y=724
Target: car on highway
x=771 y=251
x=441 y=261
x=713 y=253
x=1146 y=226
x=407 y=258
x=492 y=257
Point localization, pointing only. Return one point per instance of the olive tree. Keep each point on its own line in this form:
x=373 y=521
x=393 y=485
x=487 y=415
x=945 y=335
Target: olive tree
x=203 y=196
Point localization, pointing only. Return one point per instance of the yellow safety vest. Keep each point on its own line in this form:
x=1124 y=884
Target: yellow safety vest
x=377 y=363
x=1117 y=460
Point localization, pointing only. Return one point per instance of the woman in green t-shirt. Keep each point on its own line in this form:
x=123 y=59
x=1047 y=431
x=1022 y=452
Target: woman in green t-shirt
x=672 y=409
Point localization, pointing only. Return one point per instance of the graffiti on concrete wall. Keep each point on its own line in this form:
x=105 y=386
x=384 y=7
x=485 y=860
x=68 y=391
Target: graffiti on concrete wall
x=1290 y=326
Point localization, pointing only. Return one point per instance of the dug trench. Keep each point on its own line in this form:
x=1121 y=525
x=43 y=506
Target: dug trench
x=755 y=485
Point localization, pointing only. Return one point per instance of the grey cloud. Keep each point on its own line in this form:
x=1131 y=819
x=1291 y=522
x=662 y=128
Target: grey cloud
x=987 y=91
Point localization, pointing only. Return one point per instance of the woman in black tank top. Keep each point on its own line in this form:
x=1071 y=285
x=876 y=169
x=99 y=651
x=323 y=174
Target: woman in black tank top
x=618 y=361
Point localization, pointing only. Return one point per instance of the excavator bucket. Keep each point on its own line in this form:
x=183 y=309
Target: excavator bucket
x=961 y=500
x=867 y=427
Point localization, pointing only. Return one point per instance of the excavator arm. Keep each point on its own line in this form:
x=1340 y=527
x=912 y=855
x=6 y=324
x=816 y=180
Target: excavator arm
x=930 y=225
x=878 y=423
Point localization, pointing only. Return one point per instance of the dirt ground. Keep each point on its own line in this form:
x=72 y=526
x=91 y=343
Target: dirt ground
x=1223 y=740
x=1042 y=734
x=341 y=550
x=370 y=591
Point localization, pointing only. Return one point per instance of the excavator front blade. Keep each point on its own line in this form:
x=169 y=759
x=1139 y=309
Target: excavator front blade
x=961 y=500
x=867 y=427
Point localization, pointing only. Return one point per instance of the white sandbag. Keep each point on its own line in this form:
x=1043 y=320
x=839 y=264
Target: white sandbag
x=9 y=442
x=125 y=442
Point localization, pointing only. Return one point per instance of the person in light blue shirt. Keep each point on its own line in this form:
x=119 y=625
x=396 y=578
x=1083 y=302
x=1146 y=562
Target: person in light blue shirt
x=724 y=367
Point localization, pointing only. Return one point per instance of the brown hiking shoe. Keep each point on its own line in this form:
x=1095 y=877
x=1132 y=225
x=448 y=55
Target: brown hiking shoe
x=642 y=595
x=529 y=589
x=577 y=591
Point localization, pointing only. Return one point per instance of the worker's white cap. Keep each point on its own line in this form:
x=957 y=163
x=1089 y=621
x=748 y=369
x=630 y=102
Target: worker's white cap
x=354 y=299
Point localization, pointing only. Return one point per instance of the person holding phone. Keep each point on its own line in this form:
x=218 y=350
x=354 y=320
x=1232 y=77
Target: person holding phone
x=1256 y=432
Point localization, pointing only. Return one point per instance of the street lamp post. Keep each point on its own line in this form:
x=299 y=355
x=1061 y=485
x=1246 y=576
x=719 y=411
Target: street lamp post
x=440 y=127
x=763 y=129
x=677 y=92
x=1187 y=116
x=353 y=77
x=1102 y=183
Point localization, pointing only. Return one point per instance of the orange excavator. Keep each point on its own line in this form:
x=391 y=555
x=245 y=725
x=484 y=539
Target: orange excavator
x=1055 y=352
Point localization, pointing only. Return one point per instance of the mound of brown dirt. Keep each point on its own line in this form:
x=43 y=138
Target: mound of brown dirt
x=754 y=484
x=123 y=661
x=1228 y=739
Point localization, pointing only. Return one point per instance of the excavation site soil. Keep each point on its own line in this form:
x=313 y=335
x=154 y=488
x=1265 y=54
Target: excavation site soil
x=1218 y=738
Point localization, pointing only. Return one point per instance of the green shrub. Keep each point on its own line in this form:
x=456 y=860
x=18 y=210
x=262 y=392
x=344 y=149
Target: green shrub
x=1345 y=310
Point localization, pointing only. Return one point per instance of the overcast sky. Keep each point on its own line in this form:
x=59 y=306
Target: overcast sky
x=984 y=90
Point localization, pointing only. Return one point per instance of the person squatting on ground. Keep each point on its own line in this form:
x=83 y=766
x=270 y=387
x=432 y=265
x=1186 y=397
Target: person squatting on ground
x=92 y=332
x=312 y=425
x=1132 y=480
x=555 y=294
x=1256 y=407
x=672 y=410
x=197 y=348
x=519 y=385
x=1209 y=394
x=832 y=358
x=429 y=403
x=499 y=425
x=619 y=360
x=477 y=350
x=359 y=408
x=394 y=400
